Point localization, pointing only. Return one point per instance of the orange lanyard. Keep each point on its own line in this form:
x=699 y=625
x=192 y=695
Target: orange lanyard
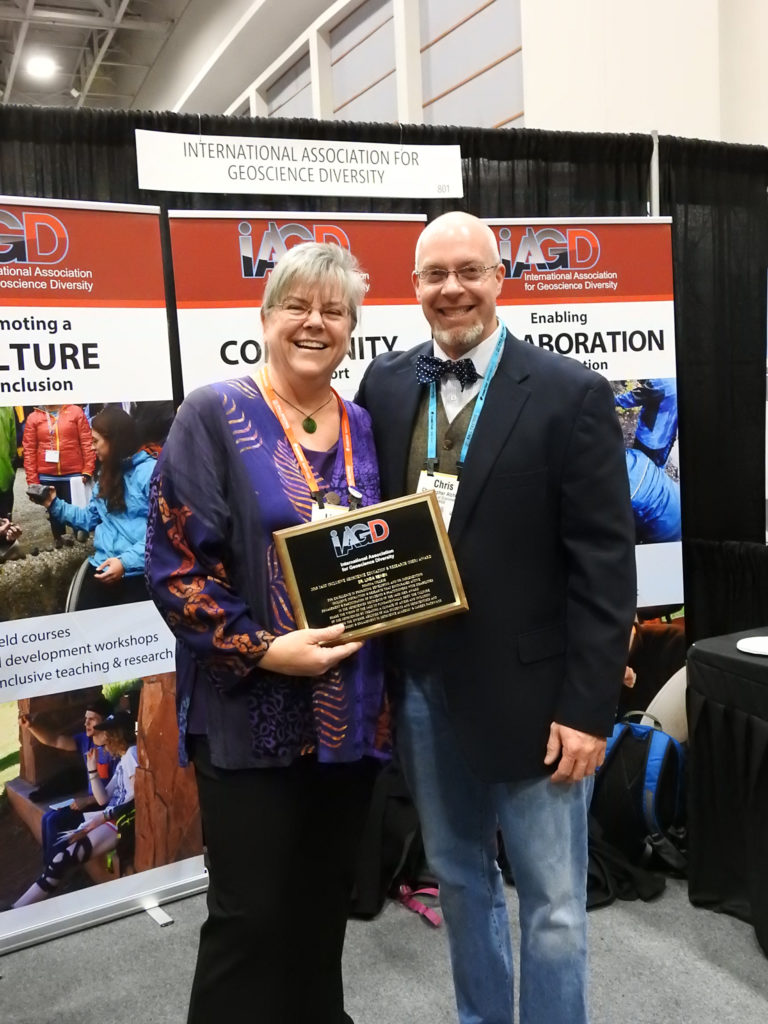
x=306 y=470
x=55 y=430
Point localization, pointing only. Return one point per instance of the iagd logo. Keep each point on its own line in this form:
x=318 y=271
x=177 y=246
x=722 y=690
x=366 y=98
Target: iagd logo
x=359 y=535
x=546 y=249
x=36 y=237
x=277 y=240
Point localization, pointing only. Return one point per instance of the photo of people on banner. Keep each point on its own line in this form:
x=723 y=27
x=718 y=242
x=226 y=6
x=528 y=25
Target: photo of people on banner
x=74 y=490
x=74 y=487
x=86 y=796
x=648 y=414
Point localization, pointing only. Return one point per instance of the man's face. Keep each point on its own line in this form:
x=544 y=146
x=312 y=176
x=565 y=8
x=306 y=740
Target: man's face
x=461 y=313
x=91 y=718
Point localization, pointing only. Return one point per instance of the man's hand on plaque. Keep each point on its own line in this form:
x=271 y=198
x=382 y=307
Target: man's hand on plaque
x=306 y=652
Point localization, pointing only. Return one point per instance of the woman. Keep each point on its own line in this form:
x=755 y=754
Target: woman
x=101 y=831
x=117 y=513
x=57 y=448
x=283 y=732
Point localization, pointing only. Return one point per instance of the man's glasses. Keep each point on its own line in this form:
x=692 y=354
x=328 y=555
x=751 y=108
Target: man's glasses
x=298 y=310
x=439 y=275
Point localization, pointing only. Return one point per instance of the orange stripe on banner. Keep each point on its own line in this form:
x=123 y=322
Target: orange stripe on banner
x=581 y=299
x=220 y=304
x=255 y=303
x=65 y=302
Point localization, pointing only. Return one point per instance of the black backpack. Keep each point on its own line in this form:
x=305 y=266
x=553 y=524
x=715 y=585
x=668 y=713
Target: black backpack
x=639 y=796
x=391 y=861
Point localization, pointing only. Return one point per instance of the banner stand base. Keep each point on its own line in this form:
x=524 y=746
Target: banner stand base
x=159 y=916
x=73 y=911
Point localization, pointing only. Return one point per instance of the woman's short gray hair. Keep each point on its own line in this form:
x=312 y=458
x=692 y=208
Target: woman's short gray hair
x=312 y=265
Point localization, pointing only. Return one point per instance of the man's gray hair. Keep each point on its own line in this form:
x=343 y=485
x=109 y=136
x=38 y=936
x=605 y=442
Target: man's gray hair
x=316 y=265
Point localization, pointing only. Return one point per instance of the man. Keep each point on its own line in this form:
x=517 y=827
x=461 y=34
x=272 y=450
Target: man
x=62 y=819
x=504 y=710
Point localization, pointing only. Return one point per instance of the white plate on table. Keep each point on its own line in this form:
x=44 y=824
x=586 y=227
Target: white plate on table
x=753 y=645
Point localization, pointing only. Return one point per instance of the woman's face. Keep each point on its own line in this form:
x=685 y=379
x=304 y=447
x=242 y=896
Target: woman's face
x=100 y=445
x=308 y=334
x=112 y=743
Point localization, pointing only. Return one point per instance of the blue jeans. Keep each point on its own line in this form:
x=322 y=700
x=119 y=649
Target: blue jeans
x=544 y=826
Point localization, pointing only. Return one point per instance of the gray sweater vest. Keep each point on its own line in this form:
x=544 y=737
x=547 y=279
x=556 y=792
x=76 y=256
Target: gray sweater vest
x=450 y=438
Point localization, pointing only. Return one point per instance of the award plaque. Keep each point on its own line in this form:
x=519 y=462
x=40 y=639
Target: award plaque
x=376 y=569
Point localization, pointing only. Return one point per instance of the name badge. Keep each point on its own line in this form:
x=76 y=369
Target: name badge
x=52 y=455
x=445 y=486
x=328 y=511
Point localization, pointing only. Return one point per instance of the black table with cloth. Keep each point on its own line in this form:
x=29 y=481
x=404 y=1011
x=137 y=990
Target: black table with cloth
x=727 y=702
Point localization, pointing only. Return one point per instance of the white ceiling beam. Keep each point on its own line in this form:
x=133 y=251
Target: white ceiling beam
x=325 y=23
x=257 y=104
x=73 y=19
x=101 y=53
x=407 y=29
x=21 y=35
x=249 y=47
x=321 y=74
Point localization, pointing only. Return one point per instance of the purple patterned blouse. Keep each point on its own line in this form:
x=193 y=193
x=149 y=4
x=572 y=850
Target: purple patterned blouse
x=226 y=479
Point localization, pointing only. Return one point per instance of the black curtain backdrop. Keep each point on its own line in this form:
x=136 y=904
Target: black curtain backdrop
x=715 y=193
x=716 y=196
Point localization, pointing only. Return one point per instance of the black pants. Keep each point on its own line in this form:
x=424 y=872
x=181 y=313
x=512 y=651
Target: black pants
x=63 y=491
x=6 y=503
x=93 y=594
x=281 y=844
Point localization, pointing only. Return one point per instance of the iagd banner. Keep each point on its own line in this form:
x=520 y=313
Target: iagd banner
x=82 y=303
x=221 y=262
x=85 y=405
x=601 y=292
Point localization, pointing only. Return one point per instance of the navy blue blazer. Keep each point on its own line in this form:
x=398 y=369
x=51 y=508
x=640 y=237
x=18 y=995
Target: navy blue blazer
x=543 y=535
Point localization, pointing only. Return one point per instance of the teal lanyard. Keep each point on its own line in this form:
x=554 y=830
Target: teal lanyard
x=432 y=425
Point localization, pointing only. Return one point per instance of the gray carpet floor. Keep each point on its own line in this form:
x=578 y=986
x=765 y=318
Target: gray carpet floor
x=651 y=964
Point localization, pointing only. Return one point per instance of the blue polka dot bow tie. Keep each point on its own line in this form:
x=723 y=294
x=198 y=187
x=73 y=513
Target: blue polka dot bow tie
x=429 y=370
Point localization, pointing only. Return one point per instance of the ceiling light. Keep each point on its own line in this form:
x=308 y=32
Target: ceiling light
x=41 y=66
x=73 y=92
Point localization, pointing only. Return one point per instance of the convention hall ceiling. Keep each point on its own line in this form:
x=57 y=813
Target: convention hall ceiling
x=102 y=49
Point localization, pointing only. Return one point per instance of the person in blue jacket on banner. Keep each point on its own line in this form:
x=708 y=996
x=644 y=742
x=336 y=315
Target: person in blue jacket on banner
x=656 y=431
x=116 y=514
x=655 y=500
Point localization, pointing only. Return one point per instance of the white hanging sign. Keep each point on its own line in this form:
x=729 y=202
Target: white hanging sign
x=173 y=162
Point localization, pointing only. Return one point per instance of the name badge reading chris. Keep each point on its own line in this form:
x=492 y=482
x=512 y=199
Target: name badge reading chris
x=445 y=486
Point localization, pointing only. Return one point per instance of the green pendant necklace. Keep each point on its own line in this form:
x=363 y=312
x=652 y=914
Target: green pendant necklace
x=308 y=424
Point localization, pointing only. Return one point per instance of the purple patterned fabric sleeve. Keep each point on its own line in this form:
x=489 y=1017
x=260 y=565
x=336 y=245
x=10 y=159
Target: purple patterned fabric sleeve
x=185 y=569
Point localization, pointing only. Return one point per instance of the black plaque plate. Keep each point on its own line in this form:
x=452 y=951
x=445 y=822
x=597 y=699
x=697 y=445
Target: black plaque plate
x=377 y=569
